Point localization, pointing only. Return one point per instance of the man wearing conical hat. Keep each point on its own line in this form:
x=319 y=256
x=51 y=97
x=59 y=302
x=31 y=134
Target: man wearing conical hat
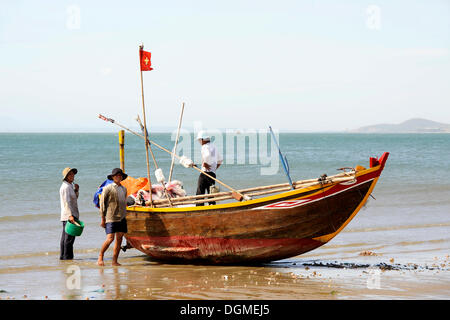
x=68 y=194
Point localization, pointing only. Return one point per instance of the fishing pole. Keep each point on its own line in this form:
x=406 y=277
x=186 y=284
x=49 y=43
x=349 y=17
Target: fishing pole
x=158 y=173
x=235 y=194
x=283 y=159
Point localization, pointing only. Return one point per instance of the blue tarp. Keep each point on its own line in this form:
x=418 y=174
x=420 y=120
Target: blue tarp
x=99 y=192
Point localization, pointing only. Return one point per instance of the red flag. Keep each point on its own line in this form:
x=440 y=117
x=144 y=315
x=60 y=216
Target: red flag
x=146 y=60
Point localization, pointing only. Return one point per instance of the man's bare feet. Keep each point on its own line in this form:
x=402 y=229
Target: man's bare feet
x=116 y=264
x=100 y=263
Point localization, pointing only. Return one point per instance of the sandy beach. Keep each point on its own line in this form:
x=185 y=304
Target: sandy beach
x=343 y=270
x=138 y=278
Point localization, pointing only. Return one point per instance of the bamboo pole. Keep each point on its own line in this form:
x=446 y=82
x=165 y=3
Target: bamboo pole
x=166 y=193
x=141 y=48
x=194 y=197
x=122 y=149
x=256 y=191
x=341 y=177
x=149 y=147
x=238 y=196
x=176 y=142
x=162 y=203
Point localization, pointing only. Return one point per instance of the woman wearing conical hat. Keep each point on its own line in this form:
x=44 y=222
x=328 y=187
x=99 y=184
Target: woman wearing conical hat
x=68 y=194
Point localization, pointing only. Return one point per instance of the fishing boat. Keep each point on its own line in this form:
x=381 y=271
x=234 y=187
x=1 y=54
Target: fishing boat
x=278 y=221
x=259 y=224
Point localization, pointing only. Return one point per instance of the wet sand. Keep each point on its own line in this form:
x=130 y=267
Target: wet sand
x=373 y=258
x=360 y=275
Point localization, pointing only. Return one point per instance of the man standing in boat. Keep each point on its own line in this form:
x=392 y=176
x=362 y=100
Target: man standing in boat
x=68 y=194
x=113 y=210
x=211 y=161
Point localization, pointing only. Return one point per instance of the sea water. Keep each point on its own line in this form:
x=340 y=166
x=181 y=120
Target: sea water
x=408 y=217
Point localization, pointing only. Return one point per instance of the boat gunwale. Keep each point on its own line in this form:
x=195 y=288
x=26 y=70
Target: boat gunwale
x=232 y=205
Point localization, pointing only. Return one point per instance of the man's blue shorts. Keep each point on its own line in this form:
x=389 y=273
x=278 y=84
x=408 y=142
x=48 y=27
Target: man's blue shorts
x=113 y=227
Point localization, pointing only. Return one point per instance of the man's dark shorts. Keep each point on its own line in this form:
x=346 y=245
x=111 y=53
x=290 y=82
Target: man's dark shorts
x=113 y=227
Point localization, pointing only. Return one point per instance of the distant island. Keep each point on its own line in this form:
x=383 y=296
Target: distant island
x=415 y=125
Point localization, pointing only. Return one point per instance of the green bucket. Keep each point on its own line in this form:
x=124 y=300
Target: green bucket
x=73 y=229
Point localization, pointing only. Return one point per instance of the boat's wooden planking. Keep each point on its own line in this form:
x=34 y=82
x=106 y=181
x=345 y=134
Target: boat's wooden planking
x=266 y=229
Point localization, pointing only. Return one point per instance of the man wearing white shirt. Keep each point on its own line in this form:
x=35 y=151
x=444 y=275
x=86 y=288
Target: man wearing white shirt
x=68 y=194
x=211 y=161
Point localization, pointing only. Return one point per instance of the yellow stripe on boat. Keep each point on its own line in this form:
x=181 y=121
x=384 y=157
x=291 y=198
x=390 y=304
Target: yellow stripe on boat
x=248 y=202
x=330 y=236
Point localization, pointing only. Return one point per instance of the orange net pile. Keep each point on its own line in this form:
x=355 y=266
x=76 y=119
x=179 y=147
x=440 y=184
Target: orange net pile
x=134 y=185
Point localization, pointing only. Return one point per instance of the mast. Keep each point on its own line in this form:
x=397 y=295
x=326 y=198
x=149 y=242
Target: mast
x=141 y=48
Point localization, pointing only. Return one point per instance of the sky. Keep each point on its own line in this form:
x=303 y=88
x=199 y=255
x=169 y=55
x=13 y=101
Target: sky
x=294 y=65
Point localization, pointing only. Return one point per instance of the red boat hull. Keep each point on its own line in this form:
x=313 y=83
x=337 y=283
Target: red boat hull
x=260 y=230
x=222 y=250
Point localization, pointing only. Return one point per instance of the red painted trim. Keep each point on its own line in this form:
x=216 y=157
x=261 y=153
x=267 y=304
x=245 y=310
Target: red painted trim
x=340 y=187
x=382 y=160
x=222 y=249
x=373 y=162
x=231 y=250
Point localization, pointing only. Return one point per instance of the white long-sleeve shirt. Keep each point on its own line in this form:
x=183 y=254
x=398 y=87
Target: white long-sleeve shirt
x=69 y=205
x=211 y=156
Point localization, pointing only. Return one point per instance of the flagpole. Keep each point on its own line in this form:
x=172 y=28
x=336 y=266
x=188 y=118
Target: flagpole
x=141 y=47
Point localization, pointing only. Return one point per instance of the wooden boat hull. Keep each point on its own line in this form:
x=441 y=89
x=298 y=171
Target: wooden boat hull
x=261 y=230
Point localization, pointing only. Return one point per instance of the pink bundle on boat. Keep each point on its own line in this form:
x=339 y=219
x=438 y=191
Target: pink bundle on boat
x=174 y=190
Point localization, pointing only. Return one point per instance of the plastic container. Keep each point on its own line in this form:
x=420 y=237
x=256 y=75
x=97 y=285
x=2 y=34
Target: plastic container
x=73 y=229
